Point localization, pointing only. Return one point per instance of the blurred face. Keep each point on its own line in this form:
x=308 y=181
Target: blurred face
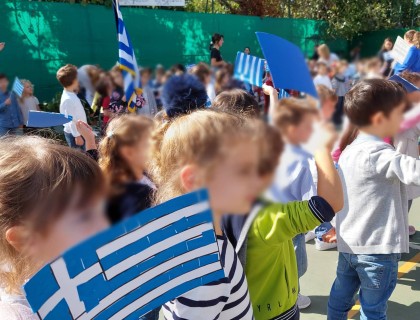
x=233 y=185
x=28 y=89
x=247 y=51
x=74 y=226
x=4 y=84
x=388 y=45
x=322 y=70
x=342 y=68
x=221 y=41
x=118 y=79
x=302 y=132
x=137 y=155
x=328 y=108
x=390 y=125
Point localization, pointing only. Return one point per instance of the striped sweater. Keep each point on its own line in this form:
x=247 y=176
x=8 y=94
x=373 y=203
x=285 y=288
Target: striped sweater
x=226 y=299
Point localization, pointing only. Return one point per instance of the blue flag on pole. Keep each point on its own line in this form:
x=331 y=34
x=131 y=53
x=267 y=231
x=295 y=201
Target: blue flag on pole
x=127 y=62
x=17 y=87
x=287 y=64
x=249 y=69
x=133 y=267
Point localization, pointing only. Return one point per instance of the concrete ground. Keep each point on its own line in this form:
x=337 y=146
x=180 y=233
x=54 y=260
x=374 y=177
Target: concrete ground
x=405 y=301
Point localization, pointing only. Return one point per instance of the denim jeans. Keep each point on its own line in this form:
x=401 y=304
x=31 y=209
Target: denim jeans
x=152 y=315
x=71 y=141
x=374 y=275
x=301 y=256
x=323 y=229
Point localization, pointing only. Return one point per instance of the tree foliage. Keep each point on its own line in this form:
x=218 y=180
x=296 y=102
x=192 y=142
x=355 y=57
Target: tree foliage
x=346 y=18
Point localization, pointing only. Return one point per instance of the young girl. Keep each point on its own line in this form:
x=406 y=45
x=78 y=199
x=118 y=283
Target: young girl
x=216 y=151
x=28 y=101
x=51 y=198
x=118 y=102
x=123 y=156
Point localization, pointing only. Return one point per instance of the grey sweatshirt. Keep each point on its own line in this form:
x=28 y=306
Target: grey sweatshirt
x=374 y=176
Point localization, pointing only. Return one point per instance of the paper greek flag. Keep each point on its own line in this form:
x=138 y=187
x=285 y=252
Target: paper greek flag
x=249 y=69
x=18 y=87
x=283 y=94
x=134 y=267
x=127 y=61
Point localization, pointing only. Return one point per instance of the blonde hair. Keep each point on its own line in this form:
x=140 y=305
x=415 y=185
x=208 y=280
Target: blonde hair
x=290 y=112
x=37 y=179
x=324 y=51
x=126 y=130
x=198 y=138
x=22 y=98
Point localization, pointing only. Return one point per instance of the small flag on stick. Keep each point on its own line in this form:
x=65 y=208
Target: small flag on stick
x=249 y=69
x=18 y=87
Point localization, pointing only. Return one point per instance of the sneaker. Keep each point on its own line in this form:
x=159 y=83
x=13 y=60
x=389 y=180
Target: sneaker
x=303 y=302
x=411 y=230
x=322 y=246
x=310 y=236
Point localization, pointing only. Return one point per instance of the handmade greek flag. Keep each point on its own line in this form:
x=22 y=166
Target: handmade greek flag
x=127 y=61
x=133 y=267
x=249 y=69
x=17 y=87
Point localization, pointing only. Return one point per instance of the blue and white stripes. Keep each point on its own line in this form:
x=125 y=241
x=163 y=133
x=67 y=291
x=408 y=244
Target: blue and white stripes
x=249 y=69
x=134 y=267
x=18 y=87
x=127 y=62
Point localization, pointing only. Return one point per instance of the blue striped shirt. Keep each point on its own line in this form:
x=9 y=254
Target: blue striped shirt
x=226 y=299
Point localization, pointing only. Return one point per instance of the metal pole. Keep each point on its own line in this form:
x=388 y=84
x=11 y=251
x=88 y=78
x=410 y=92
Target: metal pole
x=212 y=6
x=207 y=5
x=288 y=9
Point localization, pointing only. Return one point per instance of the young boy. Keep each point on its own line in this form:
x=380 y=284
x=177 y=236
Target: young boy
x=341 y=85
x=372 y=228
x=70 y=105
x=10 y=114
x=264 y=240
x=322 y=75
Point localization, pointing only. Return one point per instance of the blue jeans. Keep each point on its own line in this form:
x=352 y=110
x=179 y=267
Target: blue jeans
x=301 y=256
x=152 y=315
x=323 y=229
x=375 y=276
x=71 y=141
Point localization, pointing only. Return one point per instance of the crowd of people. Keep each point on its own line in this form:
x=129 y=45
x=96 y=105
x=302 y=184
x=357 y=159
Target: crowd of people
x=277 y=172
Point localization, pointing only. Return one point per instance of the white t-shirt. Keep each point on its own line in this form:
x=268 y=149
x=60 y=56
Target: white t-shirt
x=28 y=104
x=324 y=80
x=70 y=105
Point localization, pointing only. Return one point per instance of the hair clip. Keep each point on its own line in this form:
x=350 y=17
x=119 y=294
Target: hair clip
x=110 y=134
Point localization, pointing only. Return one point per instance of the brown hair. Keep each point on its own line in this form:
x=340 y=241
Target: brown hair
x=325 y=93
x=412 y=77
x=237 y=100
x=410 y=35
x=271 y=146
x=37 y=179
x=220 y=75
x=291 y=111
x=370 y=96
x=385 y=41
x=198 y=138
x=126 y=130
x=201 y=71
x=67 y=75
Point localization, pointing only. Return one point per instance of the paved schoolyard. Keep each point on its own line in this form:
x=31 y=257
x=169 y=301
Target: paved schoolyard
x=405 y=301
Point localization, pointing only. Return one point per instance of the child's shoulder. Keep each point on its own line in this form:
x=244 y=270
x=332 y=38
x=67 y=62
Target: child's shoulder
x=15 y=311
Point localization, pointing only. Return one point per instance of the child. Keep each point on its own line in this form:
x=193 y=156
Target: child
x=217 y=151
x=237 y=100
x=340 y=84
x=10 y=115
x=149 y=108
x=412 y=60
x=372 y=228
x=28 y=101
x=51 y=198
x=373 y=69
x=70 y=105
x=322 y=75
x=124 y=153
x=265 y=245
x=118 y=101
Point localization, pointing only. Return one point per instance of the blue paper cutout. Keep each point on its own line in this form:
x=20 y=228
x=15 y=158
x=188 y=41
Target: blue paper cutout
x=286 y=63
x=133 y=267
x=407 y=84
x=40 y=119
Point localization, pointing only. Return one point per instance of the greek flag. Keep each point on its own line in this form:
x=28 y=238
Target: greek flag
x=134 y=267
x=17 y=87
x=127 y=61
x=283 y=94
x=249 y=69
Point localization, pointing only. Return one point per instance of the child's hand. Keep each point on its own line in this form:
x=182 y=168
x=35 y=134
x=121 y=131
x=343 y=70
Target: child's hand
x=268 y=90
x=8 y=102
x=79 y=141
x=330 y=236
x=87 y=133
x=329 y=135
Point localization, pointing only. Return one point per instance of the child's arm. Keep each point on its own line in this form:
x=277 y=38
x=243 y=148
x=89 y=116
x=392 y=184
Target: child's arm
x=411 y=118
x=274 y=99
x=329 y=183
x=394 y=165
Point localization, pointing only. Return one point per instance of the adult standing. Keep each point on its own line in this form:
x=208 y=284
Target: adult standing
x=216 y=58
x=326 y=56
x=412 y=60
x=385 y=55
x=10 y=115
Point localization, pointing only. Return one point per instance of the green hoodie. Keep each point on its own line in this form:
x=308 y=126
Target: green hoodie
x=271 y=268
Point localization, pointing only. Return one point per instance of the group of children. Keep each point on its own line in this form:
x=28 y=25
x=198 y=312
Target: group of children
x=269 y=184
